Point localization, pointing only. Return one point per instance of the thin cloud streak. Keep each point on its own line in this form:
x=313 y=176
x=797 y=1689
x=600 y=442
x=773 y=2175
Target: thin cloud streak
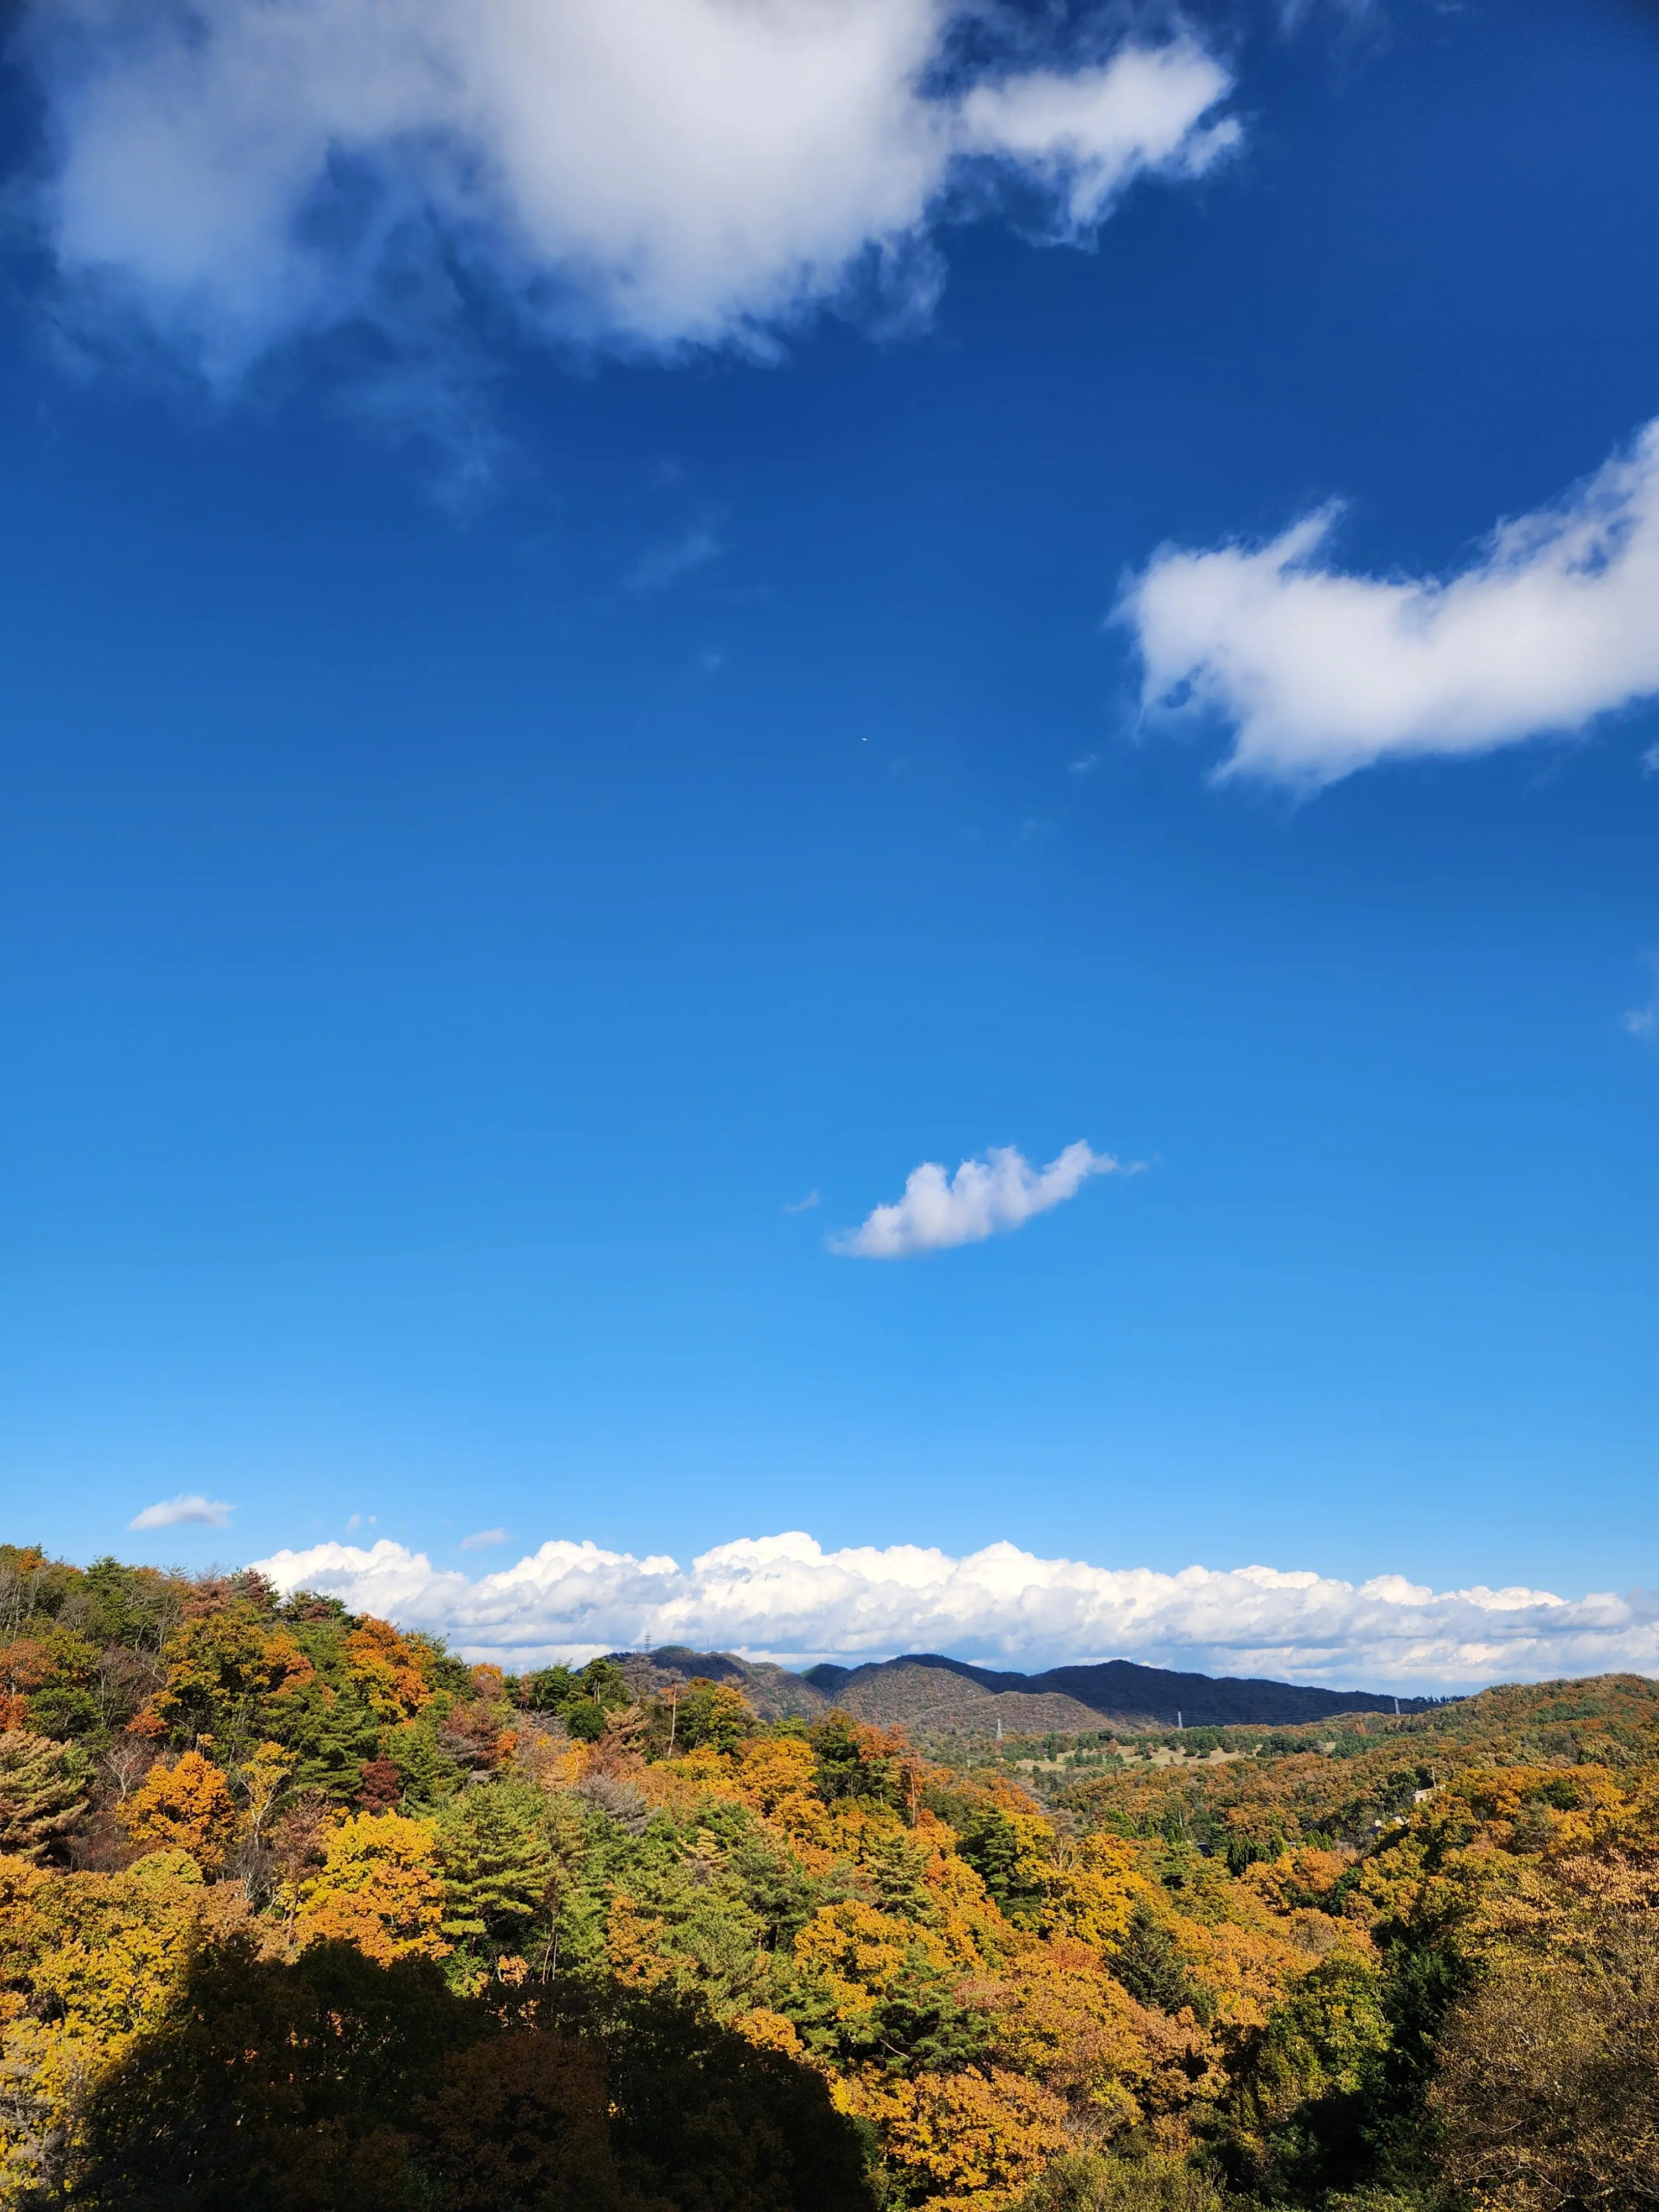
x=784 y=1597
x=665 y=565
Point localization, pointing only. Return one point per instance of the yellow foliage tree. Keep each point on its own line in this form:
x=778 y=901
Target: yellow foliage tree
x=380 y=1888
x=971 y=2141
x=185 y=1806
x=1059 y=2019
x=707 y=1768
x=261 y=1775
x=1090 y=1889
x=390 y=1669
x=217 y=1674
x=633 y=1942
x=102 y=1956
x=775 y=1777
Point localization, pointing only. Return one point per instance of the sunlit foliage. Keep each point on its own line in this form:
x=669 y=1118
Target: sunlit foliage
x=298 y=1911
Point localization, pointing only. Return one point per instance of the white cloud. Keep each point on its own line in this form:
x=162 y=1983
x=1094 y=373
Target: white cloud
x=783 y=1597
x=981 y=1199
x=174 y=1512
x=1321 y=672
x=483 y=1539
x=631 y=174
x=1085 y=134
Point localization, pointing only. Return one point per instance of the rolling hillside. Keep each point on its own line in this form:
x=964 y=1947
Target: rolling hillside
x=949 y=1697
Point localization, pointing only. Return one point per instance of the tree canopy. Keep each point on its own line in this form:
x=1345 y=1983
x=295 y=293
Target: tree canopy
x=299 y=1911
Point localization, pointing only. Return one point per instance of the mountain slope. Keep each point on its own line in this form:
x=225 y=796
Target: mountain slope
x=927 y=1691
x=1113 y=1690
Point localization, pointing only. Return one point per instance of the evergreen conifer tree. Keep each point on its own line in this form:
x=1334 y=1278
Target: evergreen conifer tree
x=42 y=1793
x=497 y=1865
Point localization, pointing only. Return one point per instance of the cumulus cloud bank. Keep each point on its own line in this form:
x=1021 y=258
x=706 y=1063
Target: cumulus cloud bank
x=636 y=174
x=783 y=1597
x=1321 y=673
x=176 y=1512
x=981 y=1199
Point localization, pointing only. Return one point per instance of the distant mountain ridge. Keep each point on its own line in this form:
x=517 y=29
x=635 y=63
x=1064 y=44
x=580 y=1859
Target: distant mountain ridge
x=925 y=1690
x=1121 y=1689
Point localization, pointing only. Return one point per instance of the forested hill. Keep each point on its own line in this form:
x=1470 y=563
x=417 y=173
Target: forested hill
x=1119 y=1690
x=945 y=1697
x=299 y=1911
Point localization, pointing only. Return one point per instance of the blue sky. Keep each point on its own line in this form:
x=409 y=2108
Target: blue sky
x=498 y=811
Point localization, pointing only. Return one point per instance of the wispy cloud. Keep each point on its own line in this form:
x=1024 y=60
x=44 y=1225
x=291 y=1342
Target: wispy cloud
x=176 y=1512
x=982 y=1199
x=640 y=180
x=1321 y=672
x=483 y=1539
x=803 y=1205
x=784 y=1597
x=666 y=564
x=1643 y=1021
x=1086 y=132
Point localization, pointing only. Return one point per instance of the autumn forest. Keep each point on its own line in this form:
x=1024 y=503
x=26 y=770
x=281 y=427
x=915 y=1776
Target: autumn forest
x=299 y=1911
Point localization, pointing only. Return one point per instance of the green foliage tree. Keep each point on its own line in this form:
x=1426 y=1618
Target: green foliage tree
x=333 y=1733
x=603 y=1681
x=1312 y=2088
x=922 y=2023
x=897 y=1871
x=44 y=1791
x=497 y=1867
x=584 y=1720
x=1091 y=2181
x=215 y=1676
x=856 y=1760
x=711 y=1713
x=427 y=1773
x=1145 y=1960
x=990 y=1842
x=548 y=1690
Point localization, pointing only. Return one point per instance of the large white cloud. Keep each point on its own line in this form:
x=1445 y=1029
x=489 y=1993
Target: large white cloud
x=1322 y=672
x=783 y=1597
x=984 y=1198
x=632 y=173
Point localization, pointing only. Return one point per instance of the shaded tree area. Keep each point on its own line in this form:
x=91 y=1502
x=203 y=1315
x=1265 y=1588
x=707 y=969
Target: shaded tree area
x=335 y=2081
x=1547 y=2093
